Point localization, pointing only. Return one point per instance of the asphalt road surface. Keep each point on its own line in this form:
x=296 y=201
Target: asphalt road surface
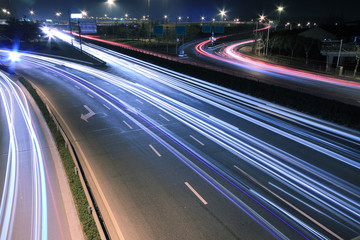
x=230 y=58
x=172 y=157
x=36 y=201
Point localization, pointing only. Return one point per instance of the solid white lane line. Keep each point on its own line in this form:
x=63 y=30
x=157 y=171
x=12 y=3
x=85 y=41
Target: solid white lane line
x=76 y=87
x=196 y=193
x=157 y=153
x=127 y=125
x=164 y=117
x=197 y=140
x=106 y=106
x=139 y=101
x=90 y=95
x=289 y=204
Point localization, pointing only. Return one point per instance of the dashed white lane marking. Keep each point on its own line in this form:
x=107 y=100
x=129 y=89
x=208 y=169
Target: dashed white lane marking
x=202 y=144
x=139 y=101
x=106 y=106
x=196 y=193
x=128 y=125
x=90 y=95
x=164 y=117
x=157 y=153
x=76 y=86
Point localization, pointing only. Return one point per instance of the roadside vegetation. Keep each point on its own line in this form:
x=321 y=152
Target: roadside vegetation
x=86 y=219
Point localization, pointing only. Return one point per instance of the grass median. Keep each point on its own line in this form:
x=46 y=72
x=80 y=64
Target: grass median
x=81 y=203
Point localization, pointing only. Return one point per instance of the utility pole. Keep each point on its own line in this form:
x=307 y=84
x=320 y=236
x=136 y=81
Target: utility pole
x=339 y=55
x=357 y=59
x=267 y=40
x=149 y=20
x=72 y=44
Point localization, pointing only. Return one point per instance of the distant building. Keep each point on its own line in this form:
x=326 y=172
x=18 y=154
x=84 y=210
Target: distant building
x=318 y=33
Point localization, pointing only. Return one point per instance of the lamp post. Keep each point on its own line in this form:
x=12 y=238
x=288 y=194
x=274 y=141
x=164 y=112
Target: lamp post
x=222 y=14
x=58 y=14
x=280 y=9
x=84 y=13
x=149 y=20
x=263 y=18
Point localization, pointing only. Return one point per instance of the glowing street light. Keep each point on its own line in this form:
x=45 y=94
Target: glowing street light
x=84 y=13
x=280 y=9
x=126 y=15
x=262 y=18
x=222 y=14
x=4 y=10
x=202 y=19
x=58 y=14
x=32 y=12
x=110 y=2
x=179 y=18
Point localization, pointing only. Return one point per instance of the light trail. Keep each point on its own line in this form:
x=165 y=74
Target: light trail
x=270 y=160
x=14 y=102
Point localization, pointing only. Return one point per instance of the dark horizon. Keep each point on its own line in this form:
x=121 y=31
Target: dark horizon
x=293 y=11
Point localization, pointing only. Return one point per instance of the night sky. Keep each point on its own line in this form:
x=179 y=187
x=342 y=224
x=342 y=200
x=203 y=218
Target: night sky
x=294 y=10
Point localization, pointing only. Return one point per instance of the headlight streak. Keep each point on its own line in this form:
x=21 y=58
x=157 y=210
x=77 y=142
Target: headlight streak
x=40 y=228
x=230 y=50
x=129 y=107
x=99 y=92
x=9 y=199
x=287 y=113
x=313 y=208
x=277 y=130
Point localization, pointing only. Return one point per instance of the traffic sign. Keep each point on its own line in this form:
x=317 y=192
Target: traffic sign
x=180 y=30
x=206 y=29
x=158 y=30
x=219 y=29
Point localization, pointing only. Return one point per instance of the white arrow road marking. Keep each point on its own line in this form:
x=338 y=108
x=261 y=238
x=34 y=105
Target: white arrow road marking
x=88 y=115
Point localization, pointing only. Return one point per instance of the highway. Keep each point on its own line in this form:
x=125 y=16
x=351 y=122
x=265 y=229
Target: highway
x=35 y=202
x=230 y=58
x=173 y=157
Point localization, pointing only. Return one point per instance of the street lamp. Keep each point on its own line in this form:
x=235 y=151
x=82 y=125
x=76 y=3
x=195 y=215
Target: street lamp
x=222 y=14
x=202 y=19
x=84 y=13
x=165 y=18
x=32 y=14
x=280 y=9
x=262 y=17
x=110 y=2
x=58 y=14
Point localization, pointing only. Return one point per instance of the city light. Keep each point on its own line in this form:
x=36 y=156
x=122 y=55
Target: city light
x=58 y=14
x=222 y=14
x=14 y=56
x=280 y=9
x=262 y=18
x=32 y=12
x=110 y=2
x=84 y=13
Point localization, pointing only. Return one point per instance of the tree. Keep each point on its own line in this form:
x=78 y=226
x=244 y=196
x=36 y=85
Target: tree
x=21 y=30
x=307 y=44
